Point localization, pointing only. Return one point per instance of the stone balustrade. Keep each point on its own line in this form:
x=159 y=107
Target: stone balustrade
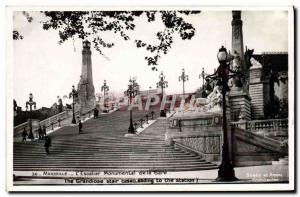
x=273 y=128
x=270 y=124
x=47 y=122
x=52 y=121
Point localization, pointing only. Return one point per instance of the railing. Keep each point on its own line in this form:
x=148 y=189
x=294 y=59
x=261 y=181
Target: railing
x=139 y=123
x=52 y=122
x=270 y=124
x=54 y=119
x=47 y=122
x=19 y=128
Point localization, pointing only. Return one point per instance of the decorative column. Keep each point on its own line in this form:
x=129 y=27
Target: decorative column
x=86 y=91
x=239 y=100
x=237 y=46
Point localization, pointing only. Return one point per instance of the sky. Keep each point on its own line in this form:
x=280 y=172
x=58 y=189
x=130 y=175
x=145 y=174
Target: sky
x=47 y=69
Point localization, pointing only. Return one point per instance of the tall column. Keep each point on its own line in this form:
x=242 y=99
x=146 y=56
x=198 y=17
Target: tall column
x=239 y=99
x=237 y=39
x=86 y=91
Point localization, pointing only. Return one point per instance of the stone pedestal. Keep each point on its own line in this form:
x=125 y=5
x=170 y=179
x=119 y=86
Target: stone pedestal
x=240 y=104
x=257 y=90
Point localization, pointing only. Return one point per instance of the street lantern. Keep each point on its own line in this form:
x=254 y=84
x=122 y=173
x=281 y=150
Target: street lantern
x=162 y=84
x=74 y=95
x=131 y=92
x=222 y=55
x=203 y=76
x=104 y=89
x=183 y=77
x=222 y=75
x=29 y=104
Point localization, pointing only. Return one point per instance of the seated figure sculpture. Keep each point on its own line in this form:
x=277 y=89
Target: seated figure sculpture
x=214 y=100
x=213 y=103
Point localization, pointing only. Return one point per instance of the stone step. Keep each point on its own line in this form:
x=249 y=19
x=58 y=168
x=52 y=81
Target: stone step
x=100 y=146
x=108 y=162
x=94 y=145
x=109 y=165
x=106 y=155
x=281 y=161
x=121 y=168
x=103 y=146
x=118 y=159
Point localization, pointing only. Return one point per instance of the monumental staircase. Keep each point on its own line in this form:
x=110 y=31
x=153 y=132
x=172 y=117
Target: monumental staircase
x=103 y=146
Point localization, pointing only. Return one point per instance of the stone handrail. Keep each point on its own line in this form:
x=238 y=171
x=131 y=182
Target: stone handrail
x=51 y=121
x=270 y=124
x=19 y=128
x=47 y=122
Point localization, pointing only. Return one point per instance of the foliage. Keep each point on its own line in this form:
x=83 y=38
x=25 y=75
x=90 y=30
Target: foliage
x=276 y=109
x=90 y=25
x=23 y=116
x=16 y=34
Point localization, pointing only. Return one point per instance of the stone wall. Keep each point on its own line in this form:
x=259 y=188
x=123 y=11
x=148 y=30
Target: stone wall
x=201 y=135
x=240 y=105
x=249 y=149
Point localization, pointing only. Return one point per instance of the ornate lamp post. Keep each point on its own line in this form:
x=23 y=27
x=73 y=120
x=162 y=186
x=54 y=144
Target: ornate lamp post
x=222 y=75
x=183 y=77
x=131 y=92
x=202 y=76
x=30 y=103
x=162 y=84
x=104 y=89
x=74 y=95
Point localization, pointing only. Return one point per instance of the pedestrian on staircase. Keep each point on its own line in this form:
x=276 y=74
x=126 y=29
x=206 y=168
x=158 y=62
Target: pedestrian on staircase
x=47 y=144
x=40 y=132
x=96 y=113
x=24 y=134
x=44 y=131
x=80 y=126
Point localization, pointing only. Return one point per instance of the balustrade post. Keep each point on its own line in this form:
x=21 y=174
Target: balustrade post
x=52 y=125
x=142 y=120
x=147 y=116
x=59 y=122
x=152 y=113
x=242 y=124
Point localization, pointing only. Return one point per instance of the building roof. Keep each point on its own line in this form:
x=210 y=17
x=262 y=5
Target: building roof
x=277 y=61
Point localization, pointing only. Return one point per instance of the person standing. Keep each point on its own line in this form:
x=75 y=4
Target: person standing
x=96 y=113
x=24 y=135
x=80 y=126
x=40 y=133
x=44 y=131
x=47 y=144
x=30 y=135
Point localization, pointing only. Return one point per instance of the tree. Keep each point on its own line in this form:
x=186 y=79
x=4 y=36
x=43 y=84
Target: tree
x=90 y=24
x=16 y=34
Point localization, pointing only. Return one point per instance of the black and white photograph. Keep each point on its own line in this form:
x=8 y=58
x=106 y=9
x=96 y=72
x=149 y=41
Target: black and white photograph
x=150 y=98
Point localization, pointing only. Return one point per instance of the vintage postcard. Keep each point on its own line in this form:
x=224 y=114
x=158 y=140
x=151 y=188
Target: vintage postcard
x=150 y=98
